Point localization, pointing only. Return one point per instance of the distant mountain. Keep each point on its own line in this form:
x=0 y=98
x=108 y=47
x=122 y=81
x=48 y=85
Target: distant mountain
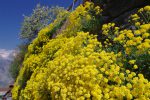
x=6 y=57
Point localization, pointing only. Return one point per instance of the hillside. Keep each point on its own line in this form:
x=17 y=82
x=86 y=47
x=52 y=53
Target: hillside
x=84 y=56
x=5 y=60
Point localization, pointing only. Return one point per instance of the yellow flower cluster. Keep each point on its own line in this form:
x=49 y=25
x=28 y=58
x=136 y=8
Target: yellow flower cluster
x=80 y=70
x=146 y=8
x=81 y=18
x=76 y=66
x=142 y=16
x=45 y=34
x=134 y=45
x=137 y=39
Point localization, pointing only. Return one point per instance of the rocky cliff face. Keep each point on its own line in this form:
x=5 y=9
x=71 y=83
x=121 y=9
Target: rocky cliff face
x=119 y=10
x=5 y=60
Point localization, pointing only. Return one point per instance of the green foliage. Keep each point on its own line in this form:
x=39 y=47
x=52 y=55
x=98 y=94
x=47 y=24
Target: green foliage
x=17 y=60
x=40 y=18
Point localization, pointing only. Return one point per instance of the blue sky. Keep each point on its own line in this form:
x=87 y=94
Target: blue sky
x=11 y=17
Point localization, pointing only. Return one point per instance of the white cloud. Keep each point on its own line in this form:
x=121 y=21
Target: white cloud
x=6 y=53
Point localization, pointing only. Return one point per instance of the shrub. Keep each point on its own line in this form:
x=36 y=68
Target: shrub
x=75 y=65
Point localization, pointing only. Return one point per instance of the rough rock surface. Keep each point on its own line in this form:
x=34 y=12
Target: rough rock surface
x=119 y=10
x=114 y=8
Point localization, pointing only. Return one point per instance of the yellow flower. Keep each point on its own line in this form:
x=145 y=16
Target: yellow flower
x=135 y=17
x=145 y=35
x=127 y=71
x=135 y=67
x=87 y=95
x=128 y=50
x=129 y=85
x=102 y=69
x=105 y=80
x=129 y=96
x=130 y=35
x=147 y=8
x=140 y=76
x=140 y=10
x=106 y=96
x=132 y=61
x=137 y=23
x=130 y=43
x=137 y=32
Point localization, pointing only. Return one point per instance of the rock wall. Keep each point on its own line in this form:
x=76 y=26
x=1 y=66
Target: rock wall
x=119 y=10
